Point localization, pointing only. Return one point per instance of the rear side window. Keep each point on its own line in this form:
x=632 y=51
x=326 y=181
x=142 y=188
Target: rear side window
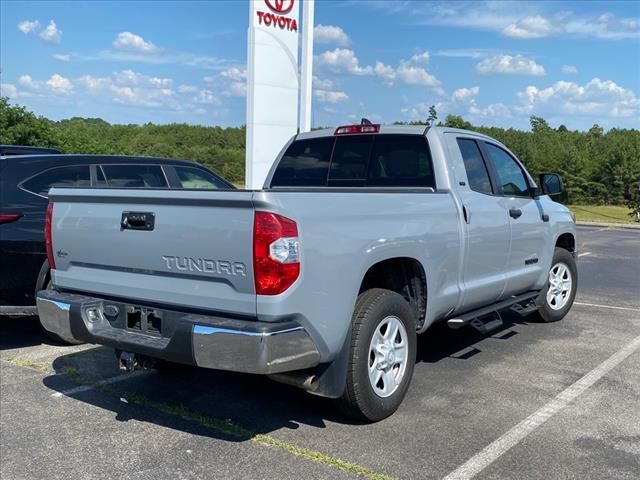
x=71 y=176
x=195 y=178
x=400 y=161
x=135 y=176
x=304 y=164
x=477 y=173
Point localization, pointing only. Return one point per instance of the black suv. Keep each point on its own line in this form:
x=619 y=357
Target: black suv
x=25 y=181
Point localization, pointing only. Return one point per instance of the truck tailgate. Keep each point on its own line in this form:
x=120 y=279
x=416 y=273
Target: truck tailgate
x=177 y=247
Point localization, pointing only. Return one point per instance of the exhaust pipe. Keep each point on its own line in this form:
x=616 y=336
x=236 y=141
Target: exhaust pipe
x=305 y=381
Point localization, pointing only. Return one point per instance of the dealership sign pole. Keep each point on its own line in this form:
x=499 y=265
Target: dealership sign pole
x=272 y=84
x=306 y=70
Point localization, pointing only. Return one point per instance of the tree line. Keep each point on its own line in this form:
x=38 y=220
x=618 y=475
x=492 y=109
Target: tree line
x=598 y=167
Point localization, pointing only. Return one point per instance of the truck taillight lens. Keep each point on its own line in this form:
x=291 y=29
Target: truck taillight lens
x=276 y=253
x=47 y=236
x=10 y=217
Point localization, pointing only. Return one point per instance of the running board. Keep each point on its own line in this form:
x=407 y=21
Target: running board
x=467 y=318
x=25 y=310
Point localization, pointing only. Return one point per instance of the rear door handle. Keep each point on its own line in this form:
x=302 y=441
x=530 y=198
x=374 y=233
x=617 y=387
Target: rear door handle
x=137 y=221
x=515 y=212
x=467 y=214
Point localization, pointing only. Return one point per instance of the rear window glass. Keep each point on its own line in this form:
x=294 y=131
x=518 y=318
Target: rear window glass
x=400 y=161
x=135 y=176
x=475 y=167
x=71 y=176
x=386 y=160
x=350 y=159
x=195 y=178
x=304 y=164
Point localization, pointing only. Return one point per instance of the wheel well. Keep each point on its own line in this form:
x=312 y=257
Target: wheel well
x=567 y=242
x=402 y=275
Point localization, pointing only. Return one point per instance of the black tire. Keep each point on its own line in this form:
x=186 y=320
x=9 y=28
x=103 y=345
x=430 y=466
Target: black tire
x=547 y=313
x=373 y=307
x=52 y=336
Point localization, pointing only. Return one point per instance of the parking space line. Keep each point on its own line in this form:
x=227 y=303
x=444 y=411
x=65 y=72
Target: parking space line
x=584 y=254
x=628 y=309
x=84 y=388
x=510 y=439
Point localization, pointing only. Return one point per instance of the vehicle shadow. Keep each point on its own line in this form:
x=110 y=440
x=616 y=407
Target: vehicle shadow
x=17 y=331
x=225 y=405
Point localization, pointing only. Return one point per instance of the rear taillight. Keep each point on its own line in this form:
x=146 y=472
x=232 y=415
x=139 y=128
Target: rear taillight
x=10 y=217
x=47 y=236
x=276 y=253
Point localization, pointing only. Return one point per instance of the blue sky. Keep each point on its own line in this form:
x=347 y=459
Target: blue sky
x=494 y=63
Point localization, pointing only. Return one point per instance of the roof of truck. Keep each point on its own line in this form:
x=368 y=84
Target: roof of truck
x=392 y=129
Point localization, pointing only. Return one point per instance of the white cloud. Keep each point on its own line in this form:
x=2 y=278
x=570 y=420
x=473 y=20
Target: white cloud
x=330 y=96
x=331 y=34
x=131 y=78
x=421 y=57
x=345 y=62
x=235 y=73
x=8 y=90
x=237 y=89
x=93 y=83
x=595 y=98
x=51 y=33
x=131 y=42
x=56 y=84
x=59 y=84
x=322 y=84
x=28 y=26
x=187 y=89
x=342 y=60
x=207 y=97
x=476 y=53
x=465 y=94
x=605 y=26
x=535 y=26
x=494 y=110
x=569 y=69
x=63 y=57
x=509 y=65
x=141 y=97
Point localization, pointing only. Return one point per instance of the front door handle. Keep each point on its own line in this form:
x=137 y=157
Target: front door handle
x=515 y=212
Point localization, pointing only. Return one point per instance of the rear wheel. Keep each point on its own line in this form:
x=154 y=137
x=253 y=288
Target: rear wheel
x=557 y=298
x=382 y=356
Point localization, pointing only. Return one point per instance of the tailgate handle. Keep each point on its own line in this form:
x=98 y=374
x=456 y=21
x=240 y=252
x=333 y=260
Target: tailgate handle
x=137 y=221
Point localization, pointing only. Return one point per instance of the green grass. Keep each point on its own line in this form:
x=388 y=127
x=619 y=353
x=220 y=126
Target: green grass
x=602 y=213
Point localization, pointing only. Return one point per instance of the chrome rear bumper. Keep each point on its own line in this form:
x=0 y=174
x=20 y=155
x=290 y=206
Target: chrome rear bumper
x=206 y=341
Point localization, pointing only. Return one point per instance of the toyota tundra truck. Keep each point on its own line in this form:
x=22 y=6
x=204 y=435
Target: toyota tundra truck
x=361 y=238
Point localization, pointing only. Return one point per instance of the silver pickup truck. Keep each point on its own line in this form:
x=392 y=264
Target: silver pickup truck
x=361 y=238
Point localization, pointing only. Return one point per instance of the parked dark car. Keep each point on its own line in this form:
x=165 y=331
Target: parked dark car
x=24 y=183
x=7 y=150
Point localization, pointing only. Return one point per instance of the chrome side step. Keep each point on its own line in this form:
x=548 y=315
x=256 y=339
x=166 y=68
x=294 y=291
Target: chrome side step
x=475 y=317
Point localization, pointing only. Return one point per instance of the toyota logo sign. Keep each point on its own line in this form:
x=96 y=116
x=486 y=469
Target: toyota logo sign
x=280 y=6
x=278 y=17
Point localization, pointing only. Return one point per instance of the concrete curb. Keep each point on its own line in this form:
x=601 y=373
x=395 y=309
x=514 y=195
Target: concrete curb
x=628 y=226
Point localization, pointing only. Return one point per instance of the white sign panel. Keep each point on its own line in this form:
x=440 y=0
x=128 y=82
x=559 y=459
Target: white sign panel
x=272 y=84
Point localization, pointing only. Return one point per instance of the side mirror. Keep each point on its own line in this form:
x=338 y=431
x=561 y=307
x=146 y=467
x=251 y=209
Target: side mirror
x=551 y=184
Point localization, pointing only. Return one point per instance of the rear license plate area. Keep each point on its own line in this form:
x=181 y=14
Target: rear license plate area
x=144 y=320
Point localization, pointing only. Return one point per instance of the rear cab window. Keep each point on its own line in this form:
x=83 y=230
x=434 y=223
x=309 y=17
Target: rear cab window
x=369 y=160
x=477 y=173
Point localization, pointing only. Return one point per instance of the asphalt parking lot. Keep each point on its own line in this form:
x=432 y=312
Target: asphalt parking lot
x=532 y=400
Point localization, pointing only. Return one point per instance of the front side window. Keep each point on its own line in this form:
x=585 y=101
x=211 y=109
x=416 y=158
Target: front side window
x=135 y=176
x=71 y=176
x=191 y=177
x=304 y=164
x=511 y=179
x=477 y=173
x=400 y=161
